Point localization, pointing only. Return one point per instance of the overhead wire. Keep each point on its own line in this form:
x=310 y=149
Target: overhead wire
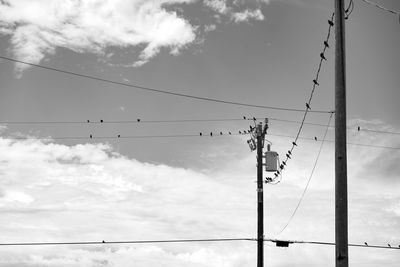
x=308 y=181
x=308 y=103
x=214 y=134
x=382 y=7
x=166 y=241
x=139 y=121
x=144 y=88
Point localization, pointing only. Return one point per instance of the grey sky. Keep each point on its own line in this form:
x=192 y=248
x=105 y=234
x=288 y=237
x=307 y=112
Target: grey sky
x=196 y=186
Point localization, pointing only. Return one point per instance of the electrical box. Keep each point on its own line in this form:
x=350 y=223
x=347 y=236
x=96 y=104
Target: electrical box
x=271 y=161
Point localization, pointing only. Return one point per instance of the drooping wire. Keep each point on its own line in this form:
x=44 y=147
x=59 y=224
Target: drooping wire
x=138 y=242
x=349 y=9
x=308 y=181
x=155 y=90
x=382 y=7
x=216 y=134
x=308 y=104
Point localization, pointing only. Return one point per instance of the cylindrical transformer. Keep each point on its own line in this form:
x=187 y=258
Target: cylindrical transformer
x=271 y=161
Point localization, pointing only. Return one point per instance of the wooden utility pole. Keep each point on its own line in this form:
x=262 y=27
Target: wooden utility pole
x=341 y=229
x=260 y=197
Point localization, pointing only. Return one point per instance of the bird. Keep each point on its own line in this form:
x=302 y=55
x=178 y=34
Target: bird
x=244 y=117
x=358 y=128
x=366 y=243
x=87 y=121
x=278 y=172
x=276 y=175
x=315 y=82
x=288 y=156
x=103 y=241
x=294 y=143
x=101 y=121
x=201 y=134
x=251 y=128
x=211 y=134
x=254 y=118
x=315 y=138
x=330 y=22
x=240 y=132
x=389 y=246
x=220 y=133
x=308 y=106
x=322 y=56
x=138 y=120
x=284 y=163
x=326 y=44
x=91 y=136
x=281 y=167
x=119 y=136
x=230 y=133
x=289 y=152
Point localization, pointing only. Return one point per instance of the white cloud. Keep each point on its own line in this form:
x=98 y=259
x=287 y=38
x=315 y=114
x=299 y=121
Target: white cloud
x=247 y=14
x=38 y=27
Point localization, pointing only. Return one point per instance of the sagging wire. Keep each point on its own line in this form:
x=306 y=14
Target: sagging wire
x=383 y=8
x=308 y=103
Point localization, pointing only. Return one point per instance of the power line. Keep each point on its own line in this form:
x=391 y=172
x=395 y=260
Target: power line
x=156 y=90
x=139 y=121
x=215 y=134
x=103 y=242
x=166 y=241
x=365 y=245
x=381 y=7
x=308 y=104
x=308 y=181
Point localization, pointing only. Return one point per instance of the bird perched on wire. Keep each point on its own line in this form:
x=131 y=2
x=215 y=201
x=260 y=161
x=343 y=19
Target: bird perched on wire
x=358 y=128
x=244 y=117
x=211 y=134
x=294 y=143
x=322 y=56
x=315 y=82
x=389 y=246
x=330 y=22
x=201 y=134
x=308 y=106
x=326 y=44
x=315 y=138
x=138 y=120
x=288 y=156
x=119 y=136
x=101 y=121
x=230 y=133
x=220 y=133
x=91 y=136
x=87 y=121
x=366 y=243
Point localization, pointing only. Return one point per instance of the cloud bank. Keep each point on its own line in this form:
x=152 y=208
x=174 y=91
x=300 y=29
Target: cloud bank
x=38 y=27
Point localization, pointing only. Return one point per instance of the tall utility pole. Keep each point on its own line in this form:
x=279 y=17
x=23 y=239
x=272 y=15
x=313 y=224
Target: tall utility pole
x=341 y=229
x=260 y=197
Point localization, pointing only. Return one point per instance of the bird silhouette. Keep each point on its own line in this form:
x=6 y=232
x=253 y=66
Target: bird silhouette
x=315 y=138
x=201 y=134
x=289 y=152
x=220 y=133
x=330 y=22
x=230 y=133
x=91 y=136
x=366 y=243
x=358 y=128
x=315 y=82
x=103 y=241
x=138 y=120
x=308 y=106
x=254 y=118
x=244 y=117
x=119 y=136
x=101 y=121
x=322 y=56
x=294 y=143
x=281 y=167
x=87 y=121
x=288 y=156
x=240 y=132
x=389 y=246
x=326 y=44
x=211 y=134
x=284 y=163
x=278 y=172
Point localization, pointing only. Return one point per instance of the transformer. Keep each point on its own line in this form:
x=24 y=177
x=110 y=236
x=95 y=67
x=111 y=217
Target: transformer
x=271 y=161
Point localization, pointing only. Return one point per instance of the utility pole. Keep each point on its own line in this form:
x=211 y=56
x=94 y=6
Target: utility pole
x=260 y=196
x=341 y=218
